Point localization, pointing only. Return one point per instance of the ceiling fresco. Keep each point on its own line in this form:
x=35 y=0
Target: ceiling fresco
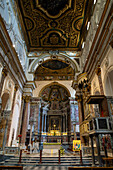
x=52 y=24
x=54 y=70
x=55 y=64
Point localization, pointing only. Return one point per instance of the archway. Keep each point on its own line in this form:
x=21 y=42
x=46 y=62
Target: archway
x=56 y=121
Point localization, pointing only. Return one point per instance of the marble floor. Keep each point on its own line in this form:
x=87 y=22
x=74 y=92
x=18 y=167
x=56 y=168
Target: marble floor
x=45 y=168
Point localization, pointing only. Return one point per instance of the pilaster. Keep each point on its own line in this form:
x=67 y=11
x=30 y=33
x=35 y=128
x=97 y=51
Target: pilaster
x=25 y=119
x=12 y=112
x=98 y=72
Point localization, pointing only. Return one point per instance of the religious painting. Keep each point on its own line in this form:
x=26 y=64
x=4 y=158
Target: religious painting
x=54 y=93
x=76 y=145
x=54 y=70
x=55 y=64
x=45 y=93
x=55 y=123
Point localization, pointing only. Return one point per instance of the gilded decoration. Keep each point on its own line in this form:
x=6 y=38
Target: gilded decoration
x=54 y=70
x=51 y=24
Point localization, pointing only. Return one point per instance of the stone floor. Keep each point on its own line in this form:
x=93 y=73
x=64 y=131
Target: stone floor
x=46 y=168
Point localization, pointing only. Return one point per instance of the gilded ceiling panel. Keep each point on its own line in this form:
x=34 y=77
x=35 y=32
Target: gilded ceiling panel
x=52 y=24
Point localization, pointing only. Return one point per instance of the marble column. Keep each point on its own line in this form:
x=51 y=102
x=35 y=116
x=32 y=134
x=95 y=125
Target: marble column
x=45 y=124
x=31 y=125
x=74 y=124
x=36 y=119
x=64 y=123
x=98 y=72
x=48 y=123
x=42 y=122
x=80 y=120
x=40 y=131
x=14 y=96
x=25 y=119
x=104 y=105
x=20 y=118
x=68 y=125
x=12 y=110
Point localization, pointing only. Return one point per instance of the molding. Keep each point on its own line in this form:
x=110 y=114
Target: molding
x=101 y=40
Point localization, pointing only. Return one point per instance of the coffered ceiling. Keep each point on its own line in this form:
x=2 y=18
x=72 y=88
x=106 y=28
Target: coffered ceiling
x=53 y=24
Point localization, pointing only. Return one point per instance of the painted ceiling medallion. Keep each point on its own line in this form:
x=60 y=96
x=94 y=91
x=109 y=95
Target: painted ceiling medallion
x=54 y=70
x=53 y=8
x=55 y=64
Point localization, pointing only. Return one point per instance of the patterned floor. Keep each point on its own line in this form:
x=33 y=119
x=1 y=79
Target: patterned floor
x=45 y=168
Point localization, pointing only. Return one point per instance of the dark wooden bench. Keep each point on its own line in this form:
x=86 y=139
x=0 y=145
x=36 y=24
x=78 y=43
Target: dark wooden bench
x=90 y=168
x=11 y=167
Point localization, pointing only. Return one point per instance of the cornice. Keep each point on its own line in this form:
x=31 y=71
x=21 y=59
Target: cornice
x=101 y=40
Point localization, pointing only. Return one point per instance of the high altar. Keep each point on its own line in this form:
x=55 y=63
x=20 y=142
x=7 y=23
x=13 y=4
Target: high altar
x=52 y=116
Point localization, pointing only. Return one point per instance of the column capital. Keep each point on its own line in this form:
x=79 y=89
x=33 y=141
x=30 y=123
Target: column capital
x=26 y=98
x=98 y=70
x=28 y=88
x=4 y=71
x=16 y=87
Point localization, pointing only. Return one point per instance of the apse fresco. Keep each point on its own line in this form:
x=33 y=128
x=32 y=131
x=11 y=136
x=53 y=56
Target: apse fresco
x=55 y=95
x=54 y=70
x=45 y=93
x=55 y=65
x=54 y=92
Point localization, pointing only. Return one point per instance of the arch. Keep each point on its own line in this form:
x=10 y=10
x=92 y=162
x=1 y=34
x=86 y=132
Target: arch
x=35 y=63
